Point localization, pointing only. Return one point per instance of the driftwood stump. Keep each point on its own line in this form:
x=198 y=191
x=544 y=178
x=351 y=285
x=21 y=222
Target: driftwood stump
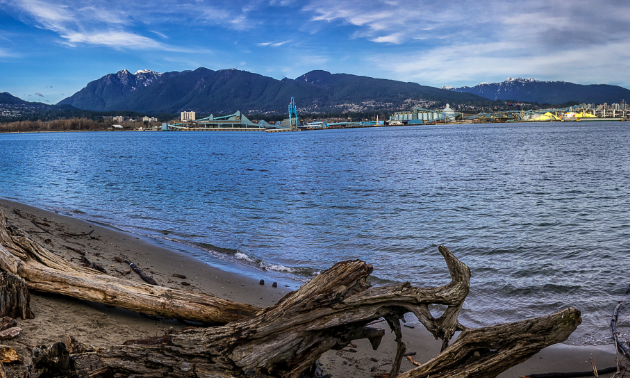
x=14 y=297
x=283 y=340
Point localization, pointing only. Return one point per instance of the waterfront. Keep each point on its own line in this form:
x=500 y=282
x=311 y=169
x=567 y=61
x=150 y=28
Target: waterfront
x=538 y=211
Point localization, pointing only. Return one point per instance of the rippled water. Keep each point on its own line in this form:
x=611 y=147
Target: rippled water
x=539 y=212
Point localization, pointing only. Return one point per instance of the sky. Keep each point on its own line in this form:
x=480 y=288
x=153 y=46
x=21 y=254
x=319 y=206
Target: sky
x=51 y=49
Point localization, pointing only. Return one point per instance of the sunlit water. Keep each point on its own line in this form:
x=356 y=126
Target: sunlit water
x=539 y=212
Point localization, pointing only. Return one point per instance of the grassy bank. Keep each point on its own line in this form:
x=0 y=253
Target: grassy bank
x=73 y=124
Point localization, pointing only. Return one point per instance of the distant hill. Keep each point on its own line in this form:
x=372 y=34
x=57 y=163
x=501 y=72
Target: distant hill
x=225 y=91
x=550 y=92
x=15 y=109
x=8 y=98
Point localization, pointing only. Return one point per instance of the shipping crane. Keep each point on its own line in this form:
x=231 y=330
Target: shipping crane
x=293 y=115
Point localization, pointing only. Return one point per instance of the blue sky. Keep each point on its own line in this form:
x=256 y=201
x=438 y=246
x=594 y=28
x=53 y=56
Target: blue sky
x=51 y=49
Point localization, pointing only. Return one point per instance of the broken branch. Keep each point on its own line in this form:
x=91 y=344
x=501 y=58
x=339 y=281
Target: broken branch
x=141 y=273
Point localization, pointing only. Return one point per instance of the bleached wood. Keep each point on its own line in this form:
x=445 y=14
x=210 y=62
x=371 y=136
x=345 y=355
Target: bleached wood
x=47 y=272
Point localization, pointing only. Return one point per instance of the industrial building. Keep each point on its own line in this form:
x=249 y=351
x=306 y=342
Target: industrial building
x=418 y=116
x=231 y=122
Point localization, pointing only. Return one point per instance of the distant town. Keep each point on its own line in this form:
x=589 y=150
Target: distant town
x=515 y=112
x=416 y=115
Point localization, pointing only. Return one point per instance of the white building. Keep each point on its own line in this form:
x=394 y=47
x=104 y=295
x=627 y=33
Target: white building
x=188 y=116
x=449 y=113
x=119 y=119
x=149 y=119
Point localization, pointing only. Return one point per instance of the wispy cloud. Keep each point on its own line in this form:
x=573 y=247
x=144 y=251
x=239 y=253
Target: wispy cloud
x=273 y=44
x=39 y=94
x=115 y=39
x=158 y=33
x=115 y=23
x=281 y=2
x=395 y=38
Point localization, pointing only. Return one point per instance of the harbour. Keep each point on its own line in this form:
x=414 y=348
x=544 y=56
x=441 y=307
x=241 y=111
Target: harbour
x=414 y=117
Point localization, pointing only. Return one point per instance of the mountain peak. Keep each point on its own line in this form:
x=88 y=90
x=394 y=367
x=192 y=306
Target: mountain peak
x=315 y=77
x=146 y=71
x=8 y=98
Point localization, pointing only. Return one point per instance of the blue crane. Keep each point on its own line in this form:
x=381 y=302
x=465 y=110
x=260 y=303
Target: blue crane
x=293 y=115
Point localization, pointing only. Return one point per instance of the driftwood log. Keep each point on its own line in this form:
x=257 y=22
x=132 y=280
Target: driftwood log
x=44 y=271
x=286 y=339
x=329 y=312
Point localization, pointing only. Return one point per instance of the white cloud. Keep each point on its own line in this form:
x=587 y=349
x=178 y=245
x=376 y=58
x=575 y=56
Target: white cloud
x=108 y=23
x=273 y=44
x=115 y=39
x=51 y=17
x=395 y=38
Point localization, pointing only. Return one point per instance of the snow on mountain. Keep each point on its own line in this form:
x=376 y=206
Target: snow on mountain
x=550 y=92
x=146 y=71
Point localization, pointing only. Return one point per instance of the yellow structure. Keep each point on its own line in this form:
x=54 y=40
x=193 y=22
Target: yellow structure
x=544 y=117
x=584 y=115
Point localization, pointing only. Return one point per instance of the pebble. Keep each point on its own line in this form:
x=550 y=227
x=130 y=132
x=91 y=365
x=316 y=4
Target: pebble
x=275 y=284
x=262 y=282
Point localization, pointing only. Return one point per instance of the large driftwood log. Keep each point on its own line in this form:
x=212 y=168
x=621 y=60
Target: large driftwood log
x=286 y=339
x=47 y=272
x=329 y=312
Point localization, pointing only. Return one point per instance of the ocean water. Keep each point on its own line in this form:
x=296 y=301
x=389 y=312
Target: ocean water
x=539 y=212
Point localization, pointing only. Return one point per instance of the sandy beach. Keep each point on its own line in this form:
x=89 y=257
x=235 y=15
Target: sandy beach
x=57 y=317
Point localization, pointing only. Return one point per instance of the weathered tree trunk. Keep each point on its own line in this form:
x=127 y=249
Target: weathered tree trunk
x=285 y=340
x=489 y=351
x=47 y=272
x=329 y=312
x=14 y=297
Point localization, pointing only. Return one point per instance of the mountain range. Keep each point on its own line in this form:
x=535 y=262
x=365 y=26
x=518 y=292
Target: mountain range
x=548 y=92
x=225 y=91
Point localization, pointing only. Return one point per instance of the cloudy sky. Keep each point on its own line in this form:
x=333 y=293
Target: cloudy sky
x=51 y=49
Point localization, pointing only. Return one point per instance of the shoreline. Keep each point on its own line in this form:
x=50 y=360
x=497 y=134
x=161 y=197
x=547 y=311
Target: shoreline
x=57 y=317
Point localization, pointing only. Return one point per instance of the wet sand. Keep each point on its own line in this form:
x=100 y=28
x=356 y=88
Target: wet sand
x=57 y=317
